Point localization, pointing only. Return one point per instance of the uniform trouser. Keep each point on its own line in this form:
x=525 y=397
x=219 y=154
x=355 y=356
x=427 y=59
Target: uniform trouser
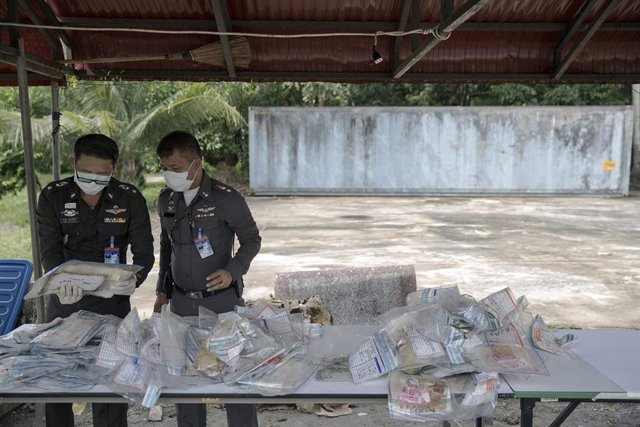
x=195 y=415
x=104 y=414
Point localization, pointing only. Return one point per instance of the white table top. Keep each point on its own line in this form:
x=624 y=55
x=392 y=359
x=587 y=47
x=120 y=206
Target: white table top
x=604 y=367
x=607 y=367
x=613 y=352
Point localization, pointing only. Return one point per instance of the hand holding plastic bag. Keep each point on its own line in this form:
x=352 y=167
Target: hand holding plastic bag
x=126 y=287
x=69 y=293
x=95 y=278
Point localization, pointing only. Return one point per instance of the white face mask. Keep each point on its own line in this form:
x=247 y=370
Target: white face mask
x=177 y=181
x=90 y=183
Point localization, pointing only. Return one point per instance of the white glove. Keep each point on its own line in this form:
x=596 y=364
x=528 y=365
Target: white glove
x=124 y=288
x=69 y=294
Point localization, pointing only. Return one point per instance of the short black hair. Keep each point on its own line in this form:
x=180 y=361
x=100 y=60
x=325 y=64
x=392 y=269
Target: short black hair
x=96 y=145
x=184 y=142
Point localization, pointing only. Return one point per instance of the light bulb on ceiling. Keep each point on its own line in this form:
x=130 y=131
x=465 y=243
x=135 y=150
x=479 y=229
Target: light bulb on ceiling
x=377 y=58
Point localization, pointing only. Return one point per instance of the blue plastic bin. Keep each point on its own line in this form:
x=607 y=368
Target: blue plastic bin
x=14 y=282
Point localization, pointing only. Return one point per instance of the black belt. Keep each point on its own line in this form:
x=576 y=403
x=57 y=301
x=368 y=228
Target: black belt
x=200 y=294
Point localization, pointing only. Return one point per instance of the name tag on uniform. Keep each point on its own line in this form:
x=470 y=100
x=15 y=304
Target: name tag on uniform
x=203 y=245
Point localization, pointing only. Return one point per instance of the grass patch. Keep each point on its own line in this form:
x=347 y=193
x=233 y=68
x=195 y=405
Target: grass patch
x=15 y=242
x=151 y=191
x=14 y=209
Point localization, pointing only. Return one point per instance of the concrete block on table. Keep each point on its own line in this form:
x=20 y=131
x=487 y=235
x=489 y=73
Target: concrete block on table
x=353 y=295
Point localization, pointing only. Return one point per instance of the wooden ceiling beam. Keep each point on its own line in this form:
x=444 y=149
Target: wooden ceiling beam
x=563 y=64
x=223 y=25
x=443 y=30
x=402 y=26
x=338 y=26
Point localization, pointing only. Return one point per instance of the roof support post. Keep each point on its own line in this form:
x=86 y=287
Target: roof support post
x=29 y=168
x=222 y=22
x=12 y=14
x=402 y=25
x=55 y=128
x=416 y=11
x=561 y=65
x=464 y=12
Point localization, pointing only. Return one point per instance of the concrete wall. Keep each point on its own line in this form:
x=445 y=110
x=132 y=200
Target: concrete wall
x=440 y=150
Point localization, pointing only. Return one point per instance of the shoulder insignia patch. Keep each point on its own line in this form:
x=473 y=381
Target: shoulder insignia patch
x=128 y=188
x=57 y=185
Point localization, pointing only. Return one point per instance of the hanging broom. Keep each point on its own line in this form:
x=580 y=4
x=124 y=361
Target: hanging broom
x=209 y=54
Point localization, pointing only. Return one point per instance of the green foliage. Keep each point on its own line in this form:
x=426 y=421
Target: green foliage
x=135 y=115
x=39 y=100
x=15 y=234
x=12 y=176
x=151 y=191
x=14 y=208
x=587 y=95
x=16 y=242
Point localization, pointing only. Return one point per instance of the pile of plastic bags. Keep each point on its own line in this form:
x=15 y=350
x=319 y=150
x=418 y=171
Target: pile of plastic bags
x=260 y=348
x=444 y=350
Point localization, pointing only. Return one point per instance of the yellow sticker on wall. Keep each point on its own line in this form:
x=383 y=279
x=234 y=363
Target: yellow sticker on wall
x=609 y=165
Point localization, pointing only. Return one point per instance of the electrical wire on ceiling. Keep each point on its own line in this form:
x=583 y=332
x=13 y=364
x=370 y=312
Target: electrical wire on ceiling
x=433 y=31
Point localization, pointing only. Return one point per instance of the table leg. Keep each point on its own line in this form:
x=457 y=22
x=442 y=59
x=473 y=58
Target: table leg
x=526 y=412
x=564 y=414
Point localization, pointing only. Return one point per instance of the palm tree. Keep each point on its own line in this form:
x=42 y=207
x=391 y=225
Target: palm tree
x=136 y=115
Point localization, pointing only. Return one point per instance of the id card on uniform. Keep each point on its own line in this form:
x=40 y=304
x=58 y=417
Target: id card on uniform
x=204 y=246
x=112 y=255
x=112 y=252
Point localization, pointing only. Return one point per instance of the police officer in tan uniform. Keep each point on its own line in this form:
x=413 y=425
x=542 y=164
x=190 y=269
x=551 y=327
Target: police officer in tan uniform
x=200 y=218
x=91 y=216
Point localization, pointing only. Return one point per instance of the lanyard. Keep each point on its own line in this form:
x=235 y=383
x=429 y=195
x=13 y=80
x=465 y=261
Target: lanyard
x=188 y=214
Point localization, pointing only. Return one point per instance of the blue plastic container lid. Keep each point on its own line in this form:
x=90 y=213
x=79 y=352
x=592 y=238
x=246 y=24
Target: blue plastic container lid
x=15 y=275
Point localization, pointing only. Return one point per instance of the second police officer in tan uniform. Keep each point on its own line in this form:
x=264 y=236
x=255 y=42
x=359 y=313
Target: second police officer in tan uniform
x=199 y=218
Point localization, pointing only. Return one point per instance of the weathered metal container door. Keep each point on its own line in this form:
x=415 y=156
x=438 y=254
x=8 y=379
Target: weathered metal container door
x=440 y=150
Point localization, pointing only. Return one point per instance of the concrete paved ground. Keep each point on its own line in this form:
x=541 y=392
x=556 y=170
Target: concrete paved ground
x=576 y=259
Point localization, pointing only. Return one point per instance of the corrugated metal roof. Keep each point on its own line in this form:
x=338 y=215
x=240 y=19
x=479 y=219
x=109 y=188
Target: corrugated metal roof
x=138 y=9
x=506 y=40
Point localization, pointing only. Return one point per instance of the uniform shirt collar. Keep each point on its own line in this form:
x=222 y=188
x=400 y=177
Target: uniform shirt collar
x=205 y=188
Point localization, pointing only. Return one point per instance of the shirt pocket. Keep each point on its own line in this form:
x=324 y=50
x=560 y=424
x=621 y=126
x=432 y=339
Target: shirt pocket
x=70 y=233
x=209 y=227
x=119 y=232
